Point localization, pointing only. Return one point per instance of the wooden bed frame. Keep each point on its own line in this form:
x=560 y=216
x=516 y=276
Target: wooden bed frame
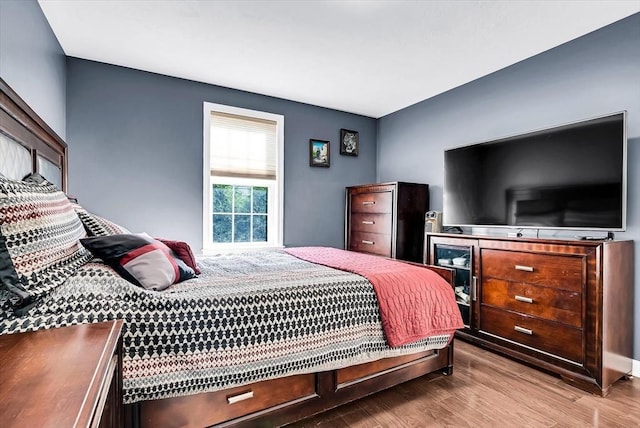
x=19 y=122
x=269 y=403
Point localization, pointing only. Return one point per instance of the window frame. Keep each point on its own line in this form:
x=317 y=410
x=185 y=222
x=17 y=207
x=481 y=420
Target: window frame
x=274 y=238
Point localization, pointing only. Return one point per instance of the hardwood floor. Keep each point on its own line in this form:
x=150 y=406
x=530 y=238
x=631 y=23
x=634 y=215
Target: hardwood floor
x=487 y=390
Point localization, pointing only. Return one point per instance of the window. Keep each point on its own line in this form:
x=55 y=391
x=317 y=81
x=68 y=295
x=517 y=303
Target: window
x=243 y=178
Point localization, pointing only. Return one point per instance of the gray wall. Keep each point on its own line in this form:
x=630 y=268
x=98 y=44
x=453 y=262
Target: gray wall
x=588 y=77
x=32 y=61
x=135 y=153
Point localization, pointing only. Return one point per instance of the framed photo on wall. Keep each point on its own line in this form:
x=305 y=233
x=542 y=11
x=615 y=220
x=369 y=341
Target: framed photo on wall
x=319 y=154
x=349 y=142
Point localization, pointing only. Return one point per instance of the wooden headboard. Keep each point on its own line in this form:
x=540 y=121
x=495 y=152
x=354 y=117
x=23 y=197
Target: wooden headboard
x=19 y=124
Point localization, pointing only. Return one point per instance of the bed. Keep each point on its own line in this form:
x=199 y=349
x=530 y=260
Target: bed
x=261 y=339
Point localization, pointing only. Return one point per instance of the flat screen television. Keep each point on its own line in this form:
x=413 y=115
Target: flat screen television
x=565 y=177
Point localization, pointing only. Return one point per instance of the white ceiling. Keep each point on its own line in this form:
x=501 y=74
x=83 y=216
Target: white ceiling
x=365 y=57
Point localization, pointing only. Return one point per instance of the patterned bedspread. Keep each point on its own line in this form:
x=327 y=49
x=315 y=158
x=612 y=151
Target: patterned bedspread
x=248 y=317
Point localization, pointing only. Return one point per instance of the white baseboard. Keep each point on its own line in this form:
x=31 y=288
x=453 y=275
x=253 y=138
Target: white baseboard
x=635 y=369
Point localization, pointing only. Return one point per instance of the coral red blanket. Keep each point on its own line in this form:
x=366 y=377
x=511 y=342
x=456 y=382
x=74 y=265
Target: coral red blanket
x=415 y=302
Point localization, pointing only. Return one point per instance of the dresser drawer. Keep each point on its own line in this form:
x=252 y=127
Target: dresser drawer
x=563 y=272
x=371 y=222
x=374 y=243
x=549 y=303
x=551 y=337
x=372 y=202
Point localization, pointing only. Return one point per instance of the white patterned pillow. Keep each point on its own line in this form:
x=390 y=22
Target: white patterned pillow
x=96 y=225
x=39 y=240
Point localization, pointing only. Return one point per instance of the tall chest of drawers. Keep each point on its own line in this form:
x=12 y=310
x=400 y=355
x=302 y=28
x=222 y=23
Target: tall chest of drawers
x=387 y=219
x=565 y=306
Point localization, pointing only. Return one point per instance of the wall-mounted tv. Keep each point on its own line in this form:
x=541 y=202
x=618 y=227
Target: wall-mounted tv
x=566 y=177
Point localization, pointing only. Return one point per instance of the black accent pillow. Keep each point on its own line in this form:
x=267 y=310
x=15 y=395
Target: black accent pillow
x=140 y=259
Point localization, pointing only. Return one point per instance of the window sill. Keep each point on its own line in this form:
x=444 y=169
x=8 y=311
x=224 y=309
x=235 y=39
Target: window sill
x=238 y=248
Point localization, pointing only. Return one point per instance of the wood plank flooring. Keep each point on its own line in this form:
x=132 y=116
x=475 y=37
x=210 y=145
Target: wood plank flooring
x=487 y=390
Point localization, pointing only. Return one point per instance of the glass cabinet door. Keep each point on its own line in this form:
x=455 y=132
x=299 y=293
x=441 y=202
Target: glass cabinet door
x=458 y=258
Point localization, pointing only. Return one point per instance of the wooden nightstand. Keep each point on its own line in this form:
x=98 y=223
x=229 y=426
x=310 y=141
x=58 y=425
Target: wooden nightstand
x=63 y=377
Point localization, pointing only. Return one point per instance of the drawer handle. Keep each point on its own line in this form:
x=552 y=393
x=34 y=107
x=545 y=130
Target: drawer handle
x=524 y=268
x=240 y=397
x=368 y=222
x=523 y=330
x=368 y=202
x=368 y=242
x=524 y=299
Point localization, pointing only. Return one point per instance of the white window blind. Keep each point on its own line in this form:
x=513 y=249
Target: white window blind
x=242 y=146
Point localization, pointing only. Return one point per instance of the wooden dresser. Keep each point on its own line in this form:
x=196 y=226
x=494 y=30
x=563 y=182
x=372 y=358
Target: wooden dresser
x=565 y=306
x=387 y=219
x=63 y=377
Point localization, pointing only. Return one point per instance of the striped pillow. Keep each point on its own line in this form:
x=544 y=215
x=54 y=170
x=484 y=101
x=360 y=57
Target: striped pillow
x=140 y=259
x=39 y=240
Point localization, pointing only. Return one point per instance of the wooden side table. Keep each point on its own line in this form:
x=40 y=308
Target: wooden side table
x=62 y=377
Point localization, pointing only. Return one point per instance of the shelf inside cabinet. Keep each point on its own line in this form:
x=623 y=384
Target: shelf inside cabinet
x=452 y=266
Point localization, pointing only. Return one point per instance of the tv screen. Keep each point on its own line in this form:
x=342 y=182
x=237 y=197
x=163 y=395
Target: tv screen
x=571 y=176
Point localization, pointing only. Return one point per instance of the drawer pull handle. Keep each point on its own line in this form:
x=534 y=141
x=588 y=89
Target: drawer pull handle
x=368 y=222
x=524 y=299
x=240 y=397
x=523 y=330
x=524 y=268
x=368 y=202
x=368 y=242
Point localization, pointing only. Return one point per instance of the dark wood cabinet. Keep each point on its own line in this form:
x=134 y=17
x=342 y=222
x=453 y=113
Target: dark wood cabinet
x=387 y=219
x=565 y=306
x=62 y=377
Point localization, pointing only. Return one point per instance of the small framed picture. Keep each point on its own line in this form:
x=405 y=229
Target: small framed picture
x=319 y=154
x=348 y=142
